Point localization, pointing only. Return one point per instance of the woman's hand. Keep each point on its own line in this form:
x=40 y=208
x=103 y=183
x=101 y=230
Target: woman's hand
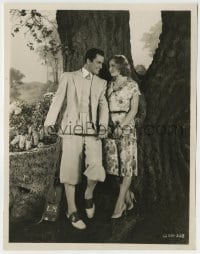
x=117 y=133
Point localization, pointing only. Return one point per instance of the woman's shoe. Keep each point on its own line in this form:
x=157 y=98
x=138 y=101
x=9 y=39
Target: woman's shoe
x=130 y=204
x=120 y=214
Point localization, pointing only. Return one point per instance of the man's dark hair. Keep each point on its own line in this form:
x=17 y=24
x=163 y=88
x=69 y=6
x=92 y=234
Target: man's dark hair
x=91 y=54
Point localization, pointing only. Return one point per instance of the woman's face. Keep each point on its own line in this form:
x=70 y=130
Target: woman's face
x=113 y=69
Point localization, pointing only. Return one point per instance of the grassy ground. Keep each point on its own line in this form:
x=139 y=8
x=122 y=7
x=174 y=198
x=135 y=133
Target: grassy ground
x=142 y=225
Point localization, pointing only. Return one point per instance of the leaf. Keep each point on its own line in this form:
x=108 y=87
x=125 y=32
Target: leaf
x=33 y=12
x=29 y=25
x=40 y=26
x=49 y=32
x=38 y=14
x=151 y=38
x=16 y=30
x=23 y=13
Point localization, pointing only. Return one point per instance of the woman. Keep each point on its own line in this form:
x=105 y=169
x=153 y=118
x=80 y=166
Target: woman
x=121 y=145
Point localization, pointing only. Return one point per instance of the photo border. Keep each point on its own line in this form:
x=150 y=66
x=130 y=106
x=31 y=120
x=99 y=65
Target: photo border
x=103 y=246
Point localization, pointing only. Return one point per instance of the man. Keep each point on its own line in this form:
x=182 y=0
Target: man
x=81 y=105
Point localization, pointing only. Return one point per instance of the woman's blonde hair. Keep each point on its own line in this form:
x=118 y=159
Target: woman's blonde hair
x=123 y=65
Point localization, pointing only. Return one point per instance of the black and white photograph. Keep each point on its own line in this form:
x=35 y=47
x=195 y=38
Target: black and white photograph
x=100 y=125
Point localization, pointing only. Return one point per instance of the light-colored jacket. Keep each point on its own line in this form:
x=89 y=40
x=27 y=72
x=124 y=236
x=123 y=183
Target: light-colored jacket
x=67 y=98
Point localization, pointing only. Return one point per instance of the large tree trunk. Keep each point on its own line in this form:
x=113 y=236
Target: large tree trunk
x=165 y=136
x=167 y=92
x=82 y=30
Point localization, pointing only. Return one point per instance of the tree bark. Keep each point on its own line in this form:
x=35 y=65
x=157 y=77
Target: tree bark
x=167 y=93
x=82 y=30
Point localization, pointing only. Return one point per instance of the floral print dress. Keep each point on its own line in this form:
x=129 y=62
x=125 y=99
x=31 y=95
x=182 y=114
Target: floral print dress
x=120 y=155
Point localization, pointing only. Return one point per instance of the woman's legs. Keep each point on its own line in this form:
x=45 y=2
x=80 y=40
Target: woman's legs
x=124 y=188
x=126 y=147
x=130 y=200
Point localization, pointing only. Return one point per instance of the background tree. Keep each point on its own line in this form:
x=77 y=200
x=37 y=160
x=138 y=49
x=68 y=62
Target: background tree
x=51 y=56
x=15 y=81
x=36 y=27
x=40 y=29
x=16 y=77
x=151 y=39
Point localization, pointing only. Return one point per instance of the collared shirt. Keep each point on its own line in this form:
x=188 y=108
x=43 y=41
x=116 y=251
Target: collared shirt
x=85 y=104
x=86 y=73
x=85 y=94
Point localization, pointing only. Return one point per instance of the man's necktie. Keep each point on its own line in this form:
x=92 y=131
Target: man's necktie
x=88 y=77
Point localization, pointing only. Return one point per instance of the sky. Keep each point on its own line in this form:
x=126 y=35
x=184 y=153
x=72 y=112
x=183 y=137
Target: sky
x=27 y=61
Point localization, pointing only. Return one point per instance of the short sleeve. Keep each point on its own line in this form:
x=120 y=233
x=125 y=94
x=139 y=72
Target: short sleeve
x=134 y=89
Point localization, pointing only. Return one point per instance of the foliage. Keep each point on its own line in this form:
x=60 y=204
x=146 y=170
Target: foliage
x=15 y=80
x=36 y=25
x=42 y=36
x=20 y=116
x=26 y=123
x=51 y=55
x=151 y=39
x=15 y=77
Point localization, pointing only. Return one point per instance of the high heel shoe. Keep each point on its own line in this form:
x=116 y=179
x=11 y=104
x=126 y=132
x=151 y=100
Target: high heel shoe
x=130 y=205
x=120 y=214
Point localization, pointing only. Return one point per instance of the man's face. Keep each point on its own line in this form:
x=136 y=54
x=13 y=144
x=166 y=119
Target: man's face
x=95 y=66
